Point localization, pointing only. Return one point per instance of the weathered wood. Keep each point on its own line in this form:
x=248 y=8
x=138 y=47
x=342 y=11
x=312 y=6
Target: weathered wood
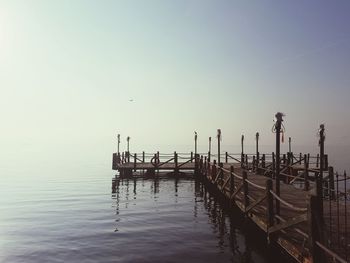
x=289 y=223
x=314 y=230
x=245 y=189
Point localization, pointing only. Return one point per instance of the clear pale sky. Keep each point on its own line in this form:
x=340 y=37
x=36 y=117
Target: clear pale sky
x=68 y=70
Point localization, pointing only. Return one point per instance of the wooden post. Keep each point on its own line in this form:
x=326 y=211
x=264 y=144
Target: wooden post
x=278 y=126
x=242 y=152
x=118 y=137
x=315 y=229
x=128 y=149
x=263 y=161
x=195 y=143
x=325 y=162
x=232 y=181
x=300 y=157
x=191 y=157
x=201 y=162
x=331 y=182
x=306 y=173
x=196 y=164
x=219 y=140
x=143 y=157
x=176 y=163
x=317 y=160
x=290 y=144
x=273 y=165
x=269 y=203
x=209 y=152
x=257 y=149
x=226 y=157
x=319 y=180
x=284 y=159
x=246 y=161
x=253 y=163
x=213 y=171
x=114 y=161
x=135 y=159
x=221 y=173
x=245 y=189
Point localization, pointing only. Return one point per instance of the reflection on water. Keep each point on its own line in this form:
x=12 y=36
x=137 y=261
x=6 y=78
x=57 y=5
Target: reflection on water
x=178 y=220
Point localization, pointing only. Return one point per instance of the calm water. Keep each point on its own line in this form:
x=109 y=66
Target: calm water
x=62 y=210
x=80 y=220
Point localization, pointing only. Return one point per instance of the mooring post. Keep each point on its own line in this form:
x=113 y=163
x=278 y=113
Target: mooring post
x=135 y=159
x=319 y=181
x=306 y=173
x=245 y=189
x=257 y=151
x=219 y=140
x=128 y=140
x=176 y=163
x=242 y=151
x=269 y=202
x=331 y=182
x=118 y=137
x=315 y=228
x=278 y=126
x=195 y=143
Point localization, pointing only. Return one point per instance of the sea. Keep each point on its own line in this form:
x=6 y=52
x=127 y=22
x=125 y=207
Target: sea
x=63 y=209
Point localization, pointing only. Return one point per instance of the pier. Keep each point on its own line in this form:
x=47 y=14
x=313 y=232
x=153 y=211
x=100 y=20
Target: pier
x=296 y=200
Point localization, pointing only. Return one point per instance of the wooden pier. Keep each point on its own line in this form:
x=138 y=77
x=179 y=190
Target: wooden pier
x=290 y=219
x=296 y=200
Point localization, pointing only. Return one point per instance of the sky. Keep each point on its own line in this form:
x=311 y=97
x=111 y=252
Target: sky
x=74 y=74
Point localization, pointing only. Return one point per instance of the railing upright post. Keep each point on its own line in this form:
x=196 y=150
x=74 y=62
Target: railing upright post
x=232 y=181
x=176 y=163
x=135 y=159
x=245 y=189
x=242 y=152
x=269 y=201
x=257 y=150
x=278 y=127
x=315 y=228
x=306 y=173
x=191 y=157
x=143 y=157
x=331 y=182
x=319 y=180
x=226 y=157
